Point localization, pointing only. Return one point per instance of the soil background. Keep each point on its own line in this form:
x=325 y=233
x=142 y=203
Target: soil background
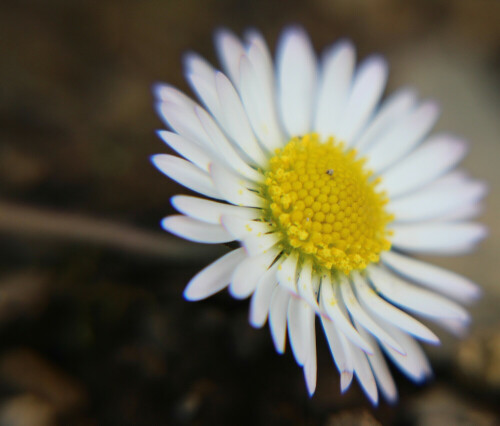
x=93 y=326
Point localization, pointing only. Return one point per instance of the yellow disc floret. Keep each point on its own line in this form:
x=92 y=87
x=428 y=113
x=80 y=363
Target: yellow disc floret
x=326 y=204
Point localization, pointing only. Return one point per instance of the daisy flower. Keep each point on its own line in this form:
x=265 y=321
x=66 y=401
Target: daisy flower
x=329 y=191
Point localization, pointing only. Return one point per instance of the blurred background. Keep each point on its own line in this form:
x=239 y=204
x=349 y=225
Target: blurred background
x=93 y=326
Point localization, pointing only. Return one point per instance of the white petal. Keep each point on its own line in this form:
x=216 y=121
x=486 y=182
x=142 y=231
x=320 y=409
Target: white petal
x=400 y=139
x=260 y=57
x=296 y=71
x=311 y=365
x=241 y=228
x=214 y=277
x=299 y=317
x=194 y=64
x=414 y=298
x=186 y=174
x=456 y=327
x=382 y=309
x=363 y=372
x=438 y=238
x=437 y=200
x=415 y=364
x=450 y=180
x=262 y=66
x=194 y=230
x=391 y=111
x=315 y=281
x=429 y=161
x=367 y=87
x=342 y=361
x=207 y=92
x=359 y=314
x=168 y=93
x=336 y=74
x=230 y=50
x=277 y=317
x=189 y=150
x=305 y=285
x=256 y=242
x=234 y=188
x=467 y=212
x=210 y=211
x=248 y=273
x=177 y=110
x=287 y=273
x=235 y=121
x=261 y=298
x=183 y=120
x=380 y=369
x=433 y=277
x=224 y=149
x=331 y=304
x=259 y=106
x=257 y=237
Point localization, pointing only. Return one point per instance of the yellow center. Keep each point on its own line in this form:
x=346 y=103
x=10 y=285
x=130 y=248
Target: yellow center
x=326 y=204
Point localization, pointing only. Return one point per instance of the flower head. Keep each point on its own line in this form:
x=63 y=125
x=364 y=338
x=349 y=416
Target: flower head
x=329 y=191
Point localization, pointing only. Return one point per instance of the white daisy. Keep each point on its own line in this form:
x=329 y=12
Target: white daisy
x=329 y=192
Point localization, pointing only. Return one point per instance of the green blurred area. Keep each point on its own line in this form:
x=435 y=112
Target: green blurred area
x=95 y=335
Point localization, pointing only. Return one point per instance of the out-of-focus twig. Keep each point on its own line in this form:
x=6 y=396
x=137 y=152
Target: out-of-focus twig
x=31 y=221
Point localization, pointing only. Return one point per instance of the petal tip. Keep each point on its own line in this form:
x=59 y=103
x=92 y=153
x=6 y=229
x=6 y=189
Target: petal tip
x=392 y=398
x=166 y=223
x=189 y=295
x=157 y=89
x=311 y=388
x=294 y=30
x=187 y=60
x=221 y=33
x=377 y=60
x=279 y=347
x=176 y=202
x=292 y=34
x=345 y=380
x=157 y=160
x=433 y=340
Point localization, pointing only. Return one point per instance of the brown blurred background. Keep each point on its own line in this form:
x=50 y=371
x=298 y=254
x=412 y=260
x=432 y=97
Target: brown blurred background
x=93 y=327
